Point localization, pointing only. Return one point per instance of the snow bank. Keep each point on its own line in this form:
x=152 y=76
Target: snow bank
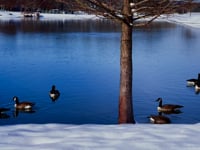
x=189 y=19
x=94 y=137
x=6 y=15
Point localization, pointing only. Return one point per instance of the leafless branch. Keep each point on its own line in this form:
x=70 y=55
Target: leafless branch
x=140 y=9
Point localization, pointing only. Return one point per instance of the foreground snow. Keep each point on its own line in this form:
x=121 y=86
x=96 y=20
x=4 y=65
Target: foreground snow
x=110 y=137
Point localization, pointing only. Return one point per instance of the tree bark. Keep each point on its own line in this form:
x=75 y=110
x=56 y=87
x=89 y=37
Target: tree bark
x=125 y=97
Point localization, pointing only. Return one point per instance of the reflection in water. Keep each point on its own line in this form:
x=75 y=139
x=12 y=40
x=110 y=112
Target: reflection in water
x=2 y=110
x=3 y=114
x=188 y=34
x=173 y=112
x=82 y=59
x=33 y=26
x=8 y=27
x=18 y=111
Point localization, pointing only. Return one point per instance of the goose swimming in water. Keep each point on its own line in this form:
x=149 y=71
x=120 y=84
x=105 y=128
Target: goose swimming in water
x=54 y=94
x=193 y=82
x=159 y=119
x=167 y=107
x=22 y=105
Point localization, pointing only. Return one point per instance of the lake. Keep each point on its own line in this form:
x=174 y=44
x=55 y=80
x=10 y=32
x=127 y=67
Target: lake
x=82 y=59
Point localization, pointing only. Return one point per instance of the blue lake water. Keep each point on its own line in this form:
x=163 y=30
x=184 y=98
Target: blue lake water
x=82 y=59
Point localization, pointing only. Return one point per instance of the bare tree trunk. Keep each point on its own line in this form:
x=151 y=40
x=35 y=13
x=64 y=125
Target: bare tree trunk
x=125 y=98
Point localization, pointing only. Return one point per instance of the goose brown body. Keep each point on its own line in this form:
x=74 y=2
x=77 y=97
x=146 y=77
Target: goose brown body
x=159 y=119
x=22 y=105
x=193 y=82
x=167 y=107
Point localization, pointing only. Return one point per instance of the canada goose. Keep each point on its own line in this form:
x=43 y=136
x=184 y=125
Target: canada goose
x=192 y=82
x=22 y=105
x=167 y=107
x=159 y=119
x=54 y=94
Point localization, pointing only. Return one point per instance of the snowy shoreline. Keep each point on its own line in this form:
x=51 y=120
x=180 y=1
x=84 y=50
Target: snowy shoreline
x=8 y=15
x=189 y=19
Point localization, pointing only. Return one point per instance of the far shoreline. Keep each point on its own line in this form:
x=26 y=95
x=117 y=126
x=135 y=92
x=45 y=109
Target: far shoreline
x=12 y=15
x=188 y=19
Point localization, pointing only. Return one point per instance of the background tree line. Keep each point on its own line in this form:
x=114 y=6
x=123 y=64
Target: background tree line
x=46 y=5
x=33 y=5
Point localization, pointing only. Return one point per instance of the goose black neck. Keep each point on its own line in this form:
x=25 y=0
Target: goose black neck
x=53 y=88
x=199 y=77
x=160 y=103
x=17 y=101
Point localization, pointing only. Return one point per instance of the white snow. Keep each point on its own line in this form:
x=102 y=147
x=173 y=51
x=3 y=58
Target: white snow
x=94 y=137
x=6 y=15
x=189 y=19
x=106 y=137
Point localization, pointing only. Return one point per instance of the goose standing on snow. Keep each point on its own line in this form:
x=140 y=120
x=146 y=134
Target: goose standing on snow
x=54 y=94
x=22 y=105
x=167 y=107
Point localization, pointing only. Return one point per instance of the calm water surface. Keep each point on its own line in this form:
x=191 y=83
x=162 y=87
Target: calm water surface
x=82 y=59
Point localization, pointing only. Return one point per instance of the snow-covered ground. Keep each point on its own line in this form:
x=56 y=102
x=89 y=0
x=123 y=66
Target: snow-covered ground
x=100 y=137
x=189 y=19
x=94 y=137
x=6 y=15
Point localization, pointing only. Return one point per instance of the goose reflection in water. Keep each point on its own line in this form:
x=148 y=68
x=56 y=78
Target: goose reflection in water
x=172 y=112
x=3 y=115
x=27 y=111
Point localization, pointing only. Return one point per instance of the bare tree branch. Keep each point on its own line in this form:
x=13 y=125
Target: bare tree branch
x=141 y=9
